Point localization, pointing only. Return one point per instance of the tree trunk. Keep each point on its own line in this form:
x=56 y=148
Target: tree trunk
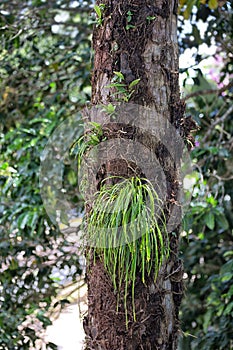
x=139 y=39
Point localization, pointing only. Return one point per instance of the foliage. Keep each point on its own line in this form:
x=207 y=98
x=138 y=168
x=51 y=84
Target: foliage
x=91 y=138
x=123 y=91
x=208 y=227
x=125 y=227
x=99 y=12
x=45 y=64
x=206 y=313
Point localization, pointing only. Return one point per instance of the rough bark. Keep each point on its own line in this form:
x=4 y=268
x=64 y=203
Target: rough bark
x=147 y=51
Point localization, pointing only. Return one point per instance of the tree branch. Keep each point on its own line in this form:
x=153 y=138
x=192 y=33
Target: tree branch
x=208 y=91
x=216 y=122
x=221 y=178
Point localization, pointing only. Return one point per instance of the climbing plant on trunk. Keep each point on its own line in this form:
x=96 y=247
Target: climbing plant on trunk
x=136 y=63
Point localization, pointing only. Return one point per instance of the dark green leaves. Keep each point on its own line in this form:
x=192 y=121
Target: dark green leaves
x=44 y=78
x=209 y=220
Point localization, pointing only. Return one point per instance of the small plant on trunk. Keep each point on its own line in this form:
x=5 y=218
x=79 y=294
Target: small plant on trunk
x=127 y=227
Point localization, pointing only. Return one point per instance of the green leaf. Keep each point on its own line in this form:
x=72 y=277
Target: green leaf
x=213 y=4
x=119 y=75
x=44 y=319
x=227 y=267
x=22 y=220
x=220 y=310
x=13 y=265
x=95 y=139
x=52 y=346
x=129 y=26
x=133 y=83
x=129 y=16
x=98 y=11
x=222 y=222
x=209 y=220
x=207 y=318
x=230 y=292
x=226 y=277
x=115 y=85
x=110 y=108
x=96 y=125
x=228 y=309
x=151 y=18
x=212 y=201
x=189 y=8
x=227 y=254
x=72 y=177
x=4 y=166
x=33 y=217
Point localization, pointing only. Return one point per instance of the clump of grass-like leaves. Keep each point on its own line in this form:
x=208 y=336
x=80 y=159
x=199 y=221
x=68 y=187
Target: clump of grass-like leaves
x=127 y=227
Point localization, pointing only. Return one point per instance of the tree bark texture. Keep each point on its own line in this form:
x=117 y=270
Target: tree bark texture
x=147 y=50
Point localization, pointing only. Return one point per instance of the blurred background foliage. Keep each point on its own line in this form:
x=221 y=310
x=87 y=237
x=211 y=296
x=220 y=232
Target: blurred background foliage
x=45 y=62
x=207 y=244
x=45 y=66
